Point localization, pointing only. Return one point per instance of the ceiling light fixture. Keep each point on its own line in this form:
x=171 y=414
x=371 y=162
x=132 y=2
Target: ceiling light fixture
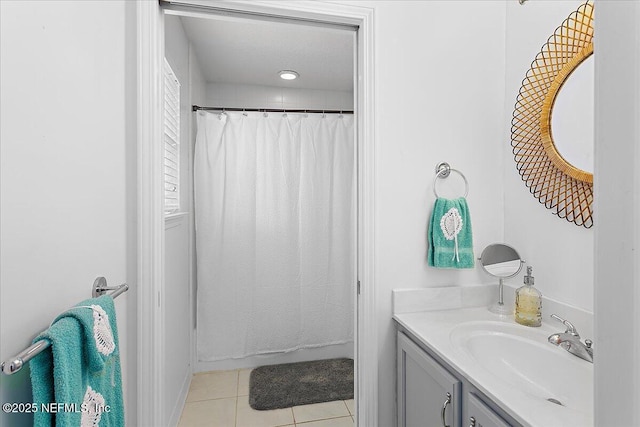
x=288 y=75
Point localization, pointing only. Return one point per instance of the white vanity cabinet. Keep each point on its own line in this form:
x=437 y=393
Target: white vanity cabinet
x=428 y=395
x=432 y=394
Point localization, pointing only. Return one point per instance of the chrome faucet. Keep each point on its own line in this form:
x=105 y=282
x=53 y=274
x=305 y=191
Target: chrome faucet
x=570 y=341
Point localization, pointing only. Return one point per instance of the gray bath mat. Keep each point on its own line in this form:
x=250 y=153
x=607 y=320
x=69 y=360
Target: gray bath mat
x=303 y=383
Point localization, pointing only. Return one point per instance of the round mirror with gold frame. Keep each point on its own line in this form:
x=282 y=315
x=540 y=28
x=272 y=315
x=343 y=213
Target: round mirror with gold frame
x=559 y=185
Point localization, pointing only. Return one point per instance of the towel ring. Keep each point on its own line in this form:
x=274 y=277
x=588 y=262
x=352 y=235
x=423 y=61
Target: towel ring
x=442 y=171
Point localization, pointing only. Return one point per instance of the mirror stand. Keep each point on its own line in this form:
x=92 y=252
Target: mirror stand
x=499 y=307
x=501 y=261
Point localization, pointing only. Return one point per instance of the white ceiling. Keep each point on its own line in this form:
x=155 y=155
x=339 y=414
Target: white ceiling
x=252 y=52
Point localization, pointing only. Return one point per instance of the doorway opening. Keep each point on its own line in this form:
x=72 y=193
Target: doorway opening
x=152 y=300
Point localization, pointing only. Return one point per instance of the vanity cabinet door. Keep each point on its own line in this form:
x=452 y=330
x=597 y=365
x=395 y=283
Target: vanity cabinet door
x=480 y=415
x=427 y=392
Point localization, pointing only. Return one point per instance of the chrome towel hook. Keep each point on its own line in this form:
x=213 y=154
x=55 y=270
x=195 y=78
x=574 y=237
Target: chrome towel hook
x=443 y=170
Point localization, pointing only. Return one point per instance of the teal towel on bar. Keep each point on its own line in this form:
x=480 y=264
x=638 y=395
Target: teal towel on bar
x=78 y=376
x=449 y=236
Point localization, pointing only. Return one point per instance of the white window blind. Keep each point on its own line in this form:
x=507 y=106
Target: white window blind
x=171 y=140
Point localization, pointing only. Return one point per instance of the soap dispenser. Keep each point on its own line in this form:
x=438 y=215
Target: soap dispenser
x=528 y=302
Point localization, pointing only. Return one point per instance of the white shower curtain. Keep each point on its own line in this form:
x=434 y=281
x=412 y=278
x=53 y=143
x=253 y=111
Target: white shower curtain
x=275 y=232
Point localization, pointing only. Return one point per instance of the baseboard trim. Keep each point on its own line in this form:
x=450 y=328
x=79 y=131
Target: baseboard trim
x=182 y=399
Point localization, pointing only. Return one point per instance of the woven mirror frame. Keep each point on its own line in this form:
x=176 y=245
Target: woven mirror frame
x=558 y=185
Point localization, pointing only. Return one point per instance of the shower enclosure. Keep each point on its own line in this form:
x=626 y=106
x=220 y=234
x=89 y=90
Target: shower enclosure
x=275 y=233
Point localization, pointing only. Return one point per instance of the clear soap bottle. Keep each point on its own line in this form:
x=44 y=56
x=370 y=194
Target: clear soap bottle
x=528 y=302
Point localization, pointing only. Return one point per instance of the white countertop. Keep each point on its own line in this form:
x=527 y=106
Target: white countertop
x=434 y=328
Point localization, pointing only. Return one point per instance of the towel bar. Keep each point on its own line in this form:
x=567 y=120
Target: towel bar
x=13 y=365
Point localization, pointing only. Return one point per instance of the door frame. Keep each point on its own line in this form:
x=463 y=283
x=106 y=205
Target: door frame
x=150 y=215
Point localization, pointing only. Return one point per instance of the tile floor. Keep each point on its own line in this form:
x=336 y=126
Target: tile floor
x=221 y=399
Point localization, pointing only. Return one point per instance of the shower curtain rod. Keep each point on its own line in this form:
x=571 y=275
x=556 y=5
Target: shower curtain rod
x=269 y=110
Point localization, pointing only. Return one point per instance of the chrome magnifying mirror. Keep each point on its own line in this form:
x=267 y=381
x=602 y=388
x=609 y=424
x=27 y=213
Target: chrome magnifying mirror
x=501 y=261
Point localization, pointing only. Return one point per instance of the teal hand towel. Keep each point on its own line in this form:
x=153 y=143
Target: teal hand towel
x=449 y=236
x=77 y=380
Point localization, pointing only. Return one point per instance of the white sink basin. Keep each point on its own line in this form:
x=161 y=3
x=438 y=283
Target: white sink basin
x=523 y=358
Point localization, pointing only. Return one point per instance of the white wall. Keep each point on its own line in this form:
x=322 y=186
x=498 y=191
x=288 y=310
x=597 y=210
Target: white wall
x=439 y=71
x=65 y=153
x=257 y=96
x=178 y=236
x=617 y=184
x=537 y=234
